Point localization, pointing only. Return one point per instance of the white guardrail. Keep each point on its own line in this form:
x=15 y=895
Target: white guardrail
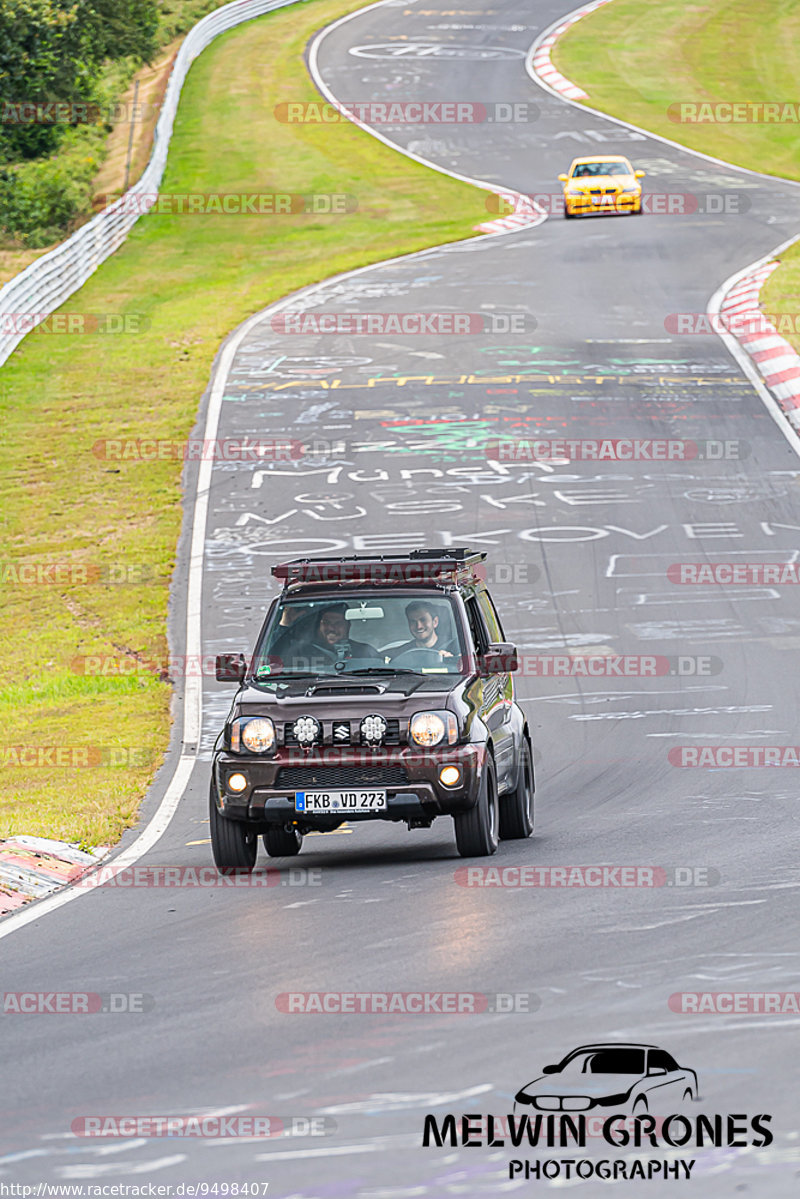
x=31 y=296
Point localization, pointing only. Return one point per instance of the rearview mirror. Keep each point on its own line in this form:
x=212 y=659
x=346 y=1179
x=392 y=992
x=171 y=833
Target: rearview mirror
x=230 y=668
x=550 y=1070
x=500 y=658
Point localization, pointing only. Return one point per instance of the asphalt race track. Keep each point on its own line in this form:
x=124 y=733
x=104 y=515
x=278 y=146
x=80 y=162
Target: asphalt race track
x=579 y=552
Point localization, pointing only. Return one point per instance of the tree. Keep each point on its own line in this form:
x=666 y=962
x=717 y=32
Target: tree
x=51 y=52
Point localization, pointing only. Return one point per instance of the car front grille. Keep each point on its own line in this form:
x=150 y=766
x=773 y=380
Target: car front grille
x=327 y=778
x=329 y=738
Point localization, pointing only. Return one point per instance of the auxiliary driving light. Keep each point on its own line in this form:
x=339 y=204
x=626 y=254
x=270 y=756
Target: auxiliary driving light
x=236 y=782
x=450 y=775
x=307 y=730
x=373 y=729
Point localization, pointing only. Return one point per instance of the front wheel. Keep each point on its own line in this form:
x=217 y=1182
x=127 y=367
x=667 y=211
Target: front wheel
x=233 y=844
x=282 y=843
x=477 y=829
x=516 y=809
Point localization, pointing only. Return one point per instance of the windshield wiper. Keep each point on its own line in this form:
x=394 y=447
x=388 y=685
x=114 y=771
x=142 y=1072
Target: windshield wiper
x=383 y=670
x=285 y=675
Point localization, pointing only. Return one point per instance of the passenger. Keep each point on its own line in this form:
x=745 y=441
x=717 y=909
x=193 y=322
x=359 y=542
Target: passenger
x=423 y=624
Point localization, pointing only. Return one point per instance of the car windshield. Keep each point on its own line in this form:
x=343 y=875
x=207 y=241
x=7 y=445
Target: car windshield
x=606 y=1061
x=375 y=632
x=588 y=169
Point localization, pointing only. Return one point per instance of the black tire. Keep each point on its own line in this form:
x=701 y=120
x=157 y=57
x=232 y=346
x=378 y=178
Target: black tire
x=280 y=843
x=233 y=844
x=568 y=216
x=637 y=211
x=516 y=809
x=477 y=829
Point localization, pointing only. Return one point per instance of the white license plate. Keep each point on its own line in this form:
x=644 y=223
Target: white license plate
x=340 y=801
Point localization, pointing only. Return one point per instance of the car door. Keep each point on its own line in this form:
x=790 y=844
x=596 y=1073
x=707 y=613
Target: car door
x=669 y=1086
x=496 y=688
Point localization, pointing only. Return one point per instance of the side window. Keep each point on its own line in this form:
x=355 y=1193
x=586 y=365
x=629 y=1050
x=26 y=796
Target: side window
x=490 y=616
x=480 y=637
x=659 y=1059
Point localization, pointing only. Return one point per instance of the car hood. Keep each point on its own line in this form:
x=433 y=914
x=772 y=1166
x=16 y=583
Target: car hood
x=327 y=698
x=581 y=1084
x=603 y=181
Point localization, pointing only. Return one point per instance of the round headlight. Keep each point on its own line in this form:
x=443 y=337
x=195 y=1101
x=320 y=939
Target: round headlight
x=427 y=728
x=258 y=735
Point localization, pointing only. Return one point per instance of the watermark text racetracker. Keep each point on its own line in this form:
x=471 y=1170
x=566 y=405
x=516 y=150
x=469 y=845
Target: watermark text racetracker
x=613 y=449
x=406 y=112
x=72 y=757
x=734 y=112
x=533 y=204
x=202 y=1126
x=192 y=877
x=735 y=1003
x=74 y=1003
x=233 y=203
x=734 y=757
x=406 y=1003
x=587 y=877
x=73 y=323
x=409 y=324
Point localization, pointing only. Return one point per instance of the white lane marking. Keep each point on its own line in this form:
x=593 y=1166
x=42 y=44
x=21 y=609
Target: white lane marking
x=87 y=1170
x=671 y=712
x=391 y=1102
x=380 y=1144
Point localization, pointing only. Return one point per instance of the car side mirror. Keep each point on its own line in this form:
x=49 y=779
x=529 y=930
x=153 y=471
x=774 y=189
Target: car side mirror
x=639 y=174
x=656 y=1070
x=230 y=668
x=550 y=1070
x=500 y=658
x=563 y=178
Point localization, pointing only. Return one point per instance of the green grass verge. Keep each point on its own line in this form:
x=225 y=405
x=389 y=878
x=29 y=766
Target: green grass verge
x=636 y=60
x=194 y=278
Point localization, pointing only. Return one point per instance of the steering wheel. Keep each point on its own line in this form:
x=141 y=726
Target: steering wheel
x=418 y=656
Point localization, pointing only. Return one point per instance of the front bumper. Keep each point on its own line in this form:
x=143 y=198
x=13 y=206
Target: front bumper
x=409 y=775
x=584 y=205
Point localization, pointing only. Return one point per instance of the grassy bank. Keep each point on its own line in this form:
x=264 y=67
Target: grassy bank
x=640 y=61
x=192 y=278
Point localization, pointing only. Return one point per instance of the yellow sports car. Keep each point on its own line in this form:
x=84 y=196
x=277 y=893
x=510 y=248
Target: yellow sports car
x=607 y=184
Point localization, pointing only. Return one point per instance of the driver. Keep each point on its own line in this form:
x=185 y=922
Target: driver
x=422 y=624
x=332 y=638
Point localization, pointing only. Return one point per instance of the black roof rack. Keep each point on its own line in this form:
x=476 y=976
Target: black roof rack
x=455 y=565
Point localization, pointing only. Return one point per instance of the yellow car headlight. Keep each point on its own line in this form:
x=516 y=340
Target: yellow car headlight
x=256 y=735
x=433 y=728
